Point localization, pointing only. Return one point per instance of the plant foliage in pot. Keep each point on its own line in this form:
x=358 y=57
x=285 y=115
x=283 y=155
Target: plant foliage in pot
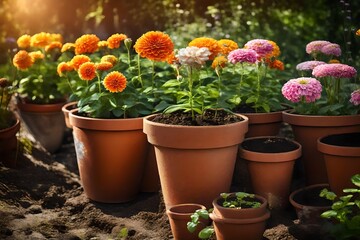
x=235 y=215
x=324 y=101
x=205 y=136
x=115 y=89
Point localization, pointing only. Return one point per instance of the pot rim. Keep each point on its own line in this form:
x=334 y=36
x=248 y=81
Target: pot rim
x=9 y=131
x=311 y=207
x=263 y=200
x=218 y=219
x=171 y=211
x=337 y=150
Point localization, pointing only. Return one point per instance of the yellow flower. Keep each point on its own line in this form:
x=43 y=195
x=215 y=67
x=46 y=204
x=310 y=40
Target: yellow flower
x=22 y=60
x=334 y=61
x=115 y=82
x=103 y=66
x=68 y=47
x=53 y=45
x=210 y=43
x=103 y=44
x=115 y=40
x=358 y=32
x=56 y=37
x=40 y=40
x=219 y=61
x=77 y=60
x=154 y=45
x=87 y=71
x=227 y=46
x=36 y=55
x=64 y=67
x=87 y=43
x=109 y=58
x=24 y=41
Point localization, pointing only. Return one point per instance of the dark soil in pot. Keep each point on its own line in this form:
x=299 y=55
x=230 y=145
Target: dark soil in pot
x=209 y=118
x=269 y=145
x=311 y=197
x=345 y=139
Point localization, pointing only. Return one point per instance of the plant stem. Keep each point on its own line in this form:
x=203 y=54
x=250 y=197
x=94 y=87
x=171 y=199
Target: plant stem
x=190 y=93
x=139 y=71
x=99 y=81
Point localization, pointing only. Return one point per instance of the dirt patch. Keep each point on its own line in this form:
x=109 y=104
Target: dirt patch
x=43 y=199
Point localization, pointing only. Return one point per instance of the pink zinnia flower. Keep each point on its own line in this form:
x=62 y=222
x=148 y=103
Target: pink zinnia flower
x=308 y=65
x=355 y=97
x=316 y=46
x=261 y=46
x=242 y=55
x=337 y=70
x=331 y=49
x=302 y=88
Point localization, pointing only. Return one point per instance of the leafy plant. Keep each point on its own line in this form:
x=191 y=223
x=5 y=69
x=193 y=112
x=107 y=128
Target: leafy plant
x=206 y=232
x=345 y=211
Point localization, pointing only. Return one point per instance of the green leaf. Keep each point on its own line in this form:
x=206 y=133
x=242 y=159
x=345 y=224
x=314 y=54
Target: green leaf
x=356 y=180
x=191 y=226
x=203 y=213
x=329 y=214
x=206 y=232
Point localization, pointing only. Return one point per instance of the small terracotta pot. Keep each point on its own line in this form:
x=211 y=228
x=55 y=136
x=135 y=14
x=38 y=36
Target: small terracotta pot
x=264 y=124
x=66 y=110
x=309 y=205
x=270 y=161
x=179 y=215
x=342 y=159
x=9 y=144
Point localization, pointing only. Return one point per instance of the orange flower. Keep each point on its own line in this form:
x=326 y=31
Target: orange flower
x=56 y=37
x=115 y=40
x=24 y=41
x=53 y=45
x=64 y=67
x=87 y=43
x=103 y=66
x=276 y=64
x=36 y=55
x=358 y=32
x=77 y=60
x=219 y=61
x=227 y=46
x=275 y=52
x=67 y=47
x=154 y=45
x=210 y=43
x=115 y=82
x=22 y=60
x=103 y=44
x=40 y=40
x=334 y=61
x=172 y=58
x=87 y=71
x=109 y=58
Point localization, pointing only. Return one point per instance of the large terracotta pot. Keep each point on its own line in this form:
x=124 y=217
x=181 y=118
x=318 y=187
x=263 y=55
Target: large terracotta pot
x=9 y=144
x=45 y=122
x=264 y=124
x=270 y=161
x=66 y=110
x=150 y=181
x=309 y=205
x=179 y=215
x=245 y=223
x=111 y=156
x=307 y=129
x=342 y=159
x=195 y=163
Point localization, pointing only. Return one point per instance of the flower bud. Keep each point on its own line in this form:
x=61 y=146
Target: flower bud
x=4 y=82
x=128 y=43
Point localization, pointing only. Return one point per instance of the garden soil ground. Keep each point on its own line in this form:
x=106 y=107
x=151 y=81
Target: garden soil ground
x=43 y=199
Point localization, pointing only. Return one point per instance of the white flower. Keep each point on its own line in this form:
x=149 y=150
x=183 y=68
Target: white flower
x=193 y=56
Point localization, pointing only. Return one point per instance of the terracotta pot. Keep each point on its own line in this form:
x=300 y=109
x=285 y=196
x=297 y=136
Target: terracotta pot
x=45 y=122
x=264 y=124
x=66 y=110
x=195 y=163
x=111 y=156
x=150 y=181
x=307 y=129
x=309 y=205
x=179 y=215
x=248 y=223
x=270 y=161
x=342 y=159
x=9 y=144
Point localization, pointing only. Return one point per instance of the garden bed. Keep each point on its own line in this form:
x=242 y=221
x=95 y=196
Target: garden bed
x=43 y=199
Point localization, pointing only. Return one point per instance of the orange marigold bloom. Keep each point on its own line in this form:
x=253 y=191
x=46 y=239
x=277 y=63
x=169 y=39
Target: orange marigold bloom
x=358 y=32
x=115 y=82
x=53 y=45
x=210 y=43
x=40 y=40
x=103 y=66
x=56 y=37
x=68 y=47
x=22 y=60
x=64 y=67
x=227 y=46
x=115 y=40
x=87 y=71
x=276 y=64
x=36 y=55
x=78 y=60
x=24 y=41
x=103 y=44
x=87 y=43
x=276 y=50
x=219 y=61
x=334 y=61
x=154 y=45
x=109 y=58
x=172 y=58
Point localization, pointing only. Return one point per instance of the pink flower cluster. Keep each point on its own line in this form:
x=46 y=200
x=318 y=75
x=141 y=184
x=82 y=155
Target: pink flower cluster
x=325 y=47
x=302 y=88
x=355 y=97
x=337 y=70
x=308 y=65
x=261 y=46
x=242 y=55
